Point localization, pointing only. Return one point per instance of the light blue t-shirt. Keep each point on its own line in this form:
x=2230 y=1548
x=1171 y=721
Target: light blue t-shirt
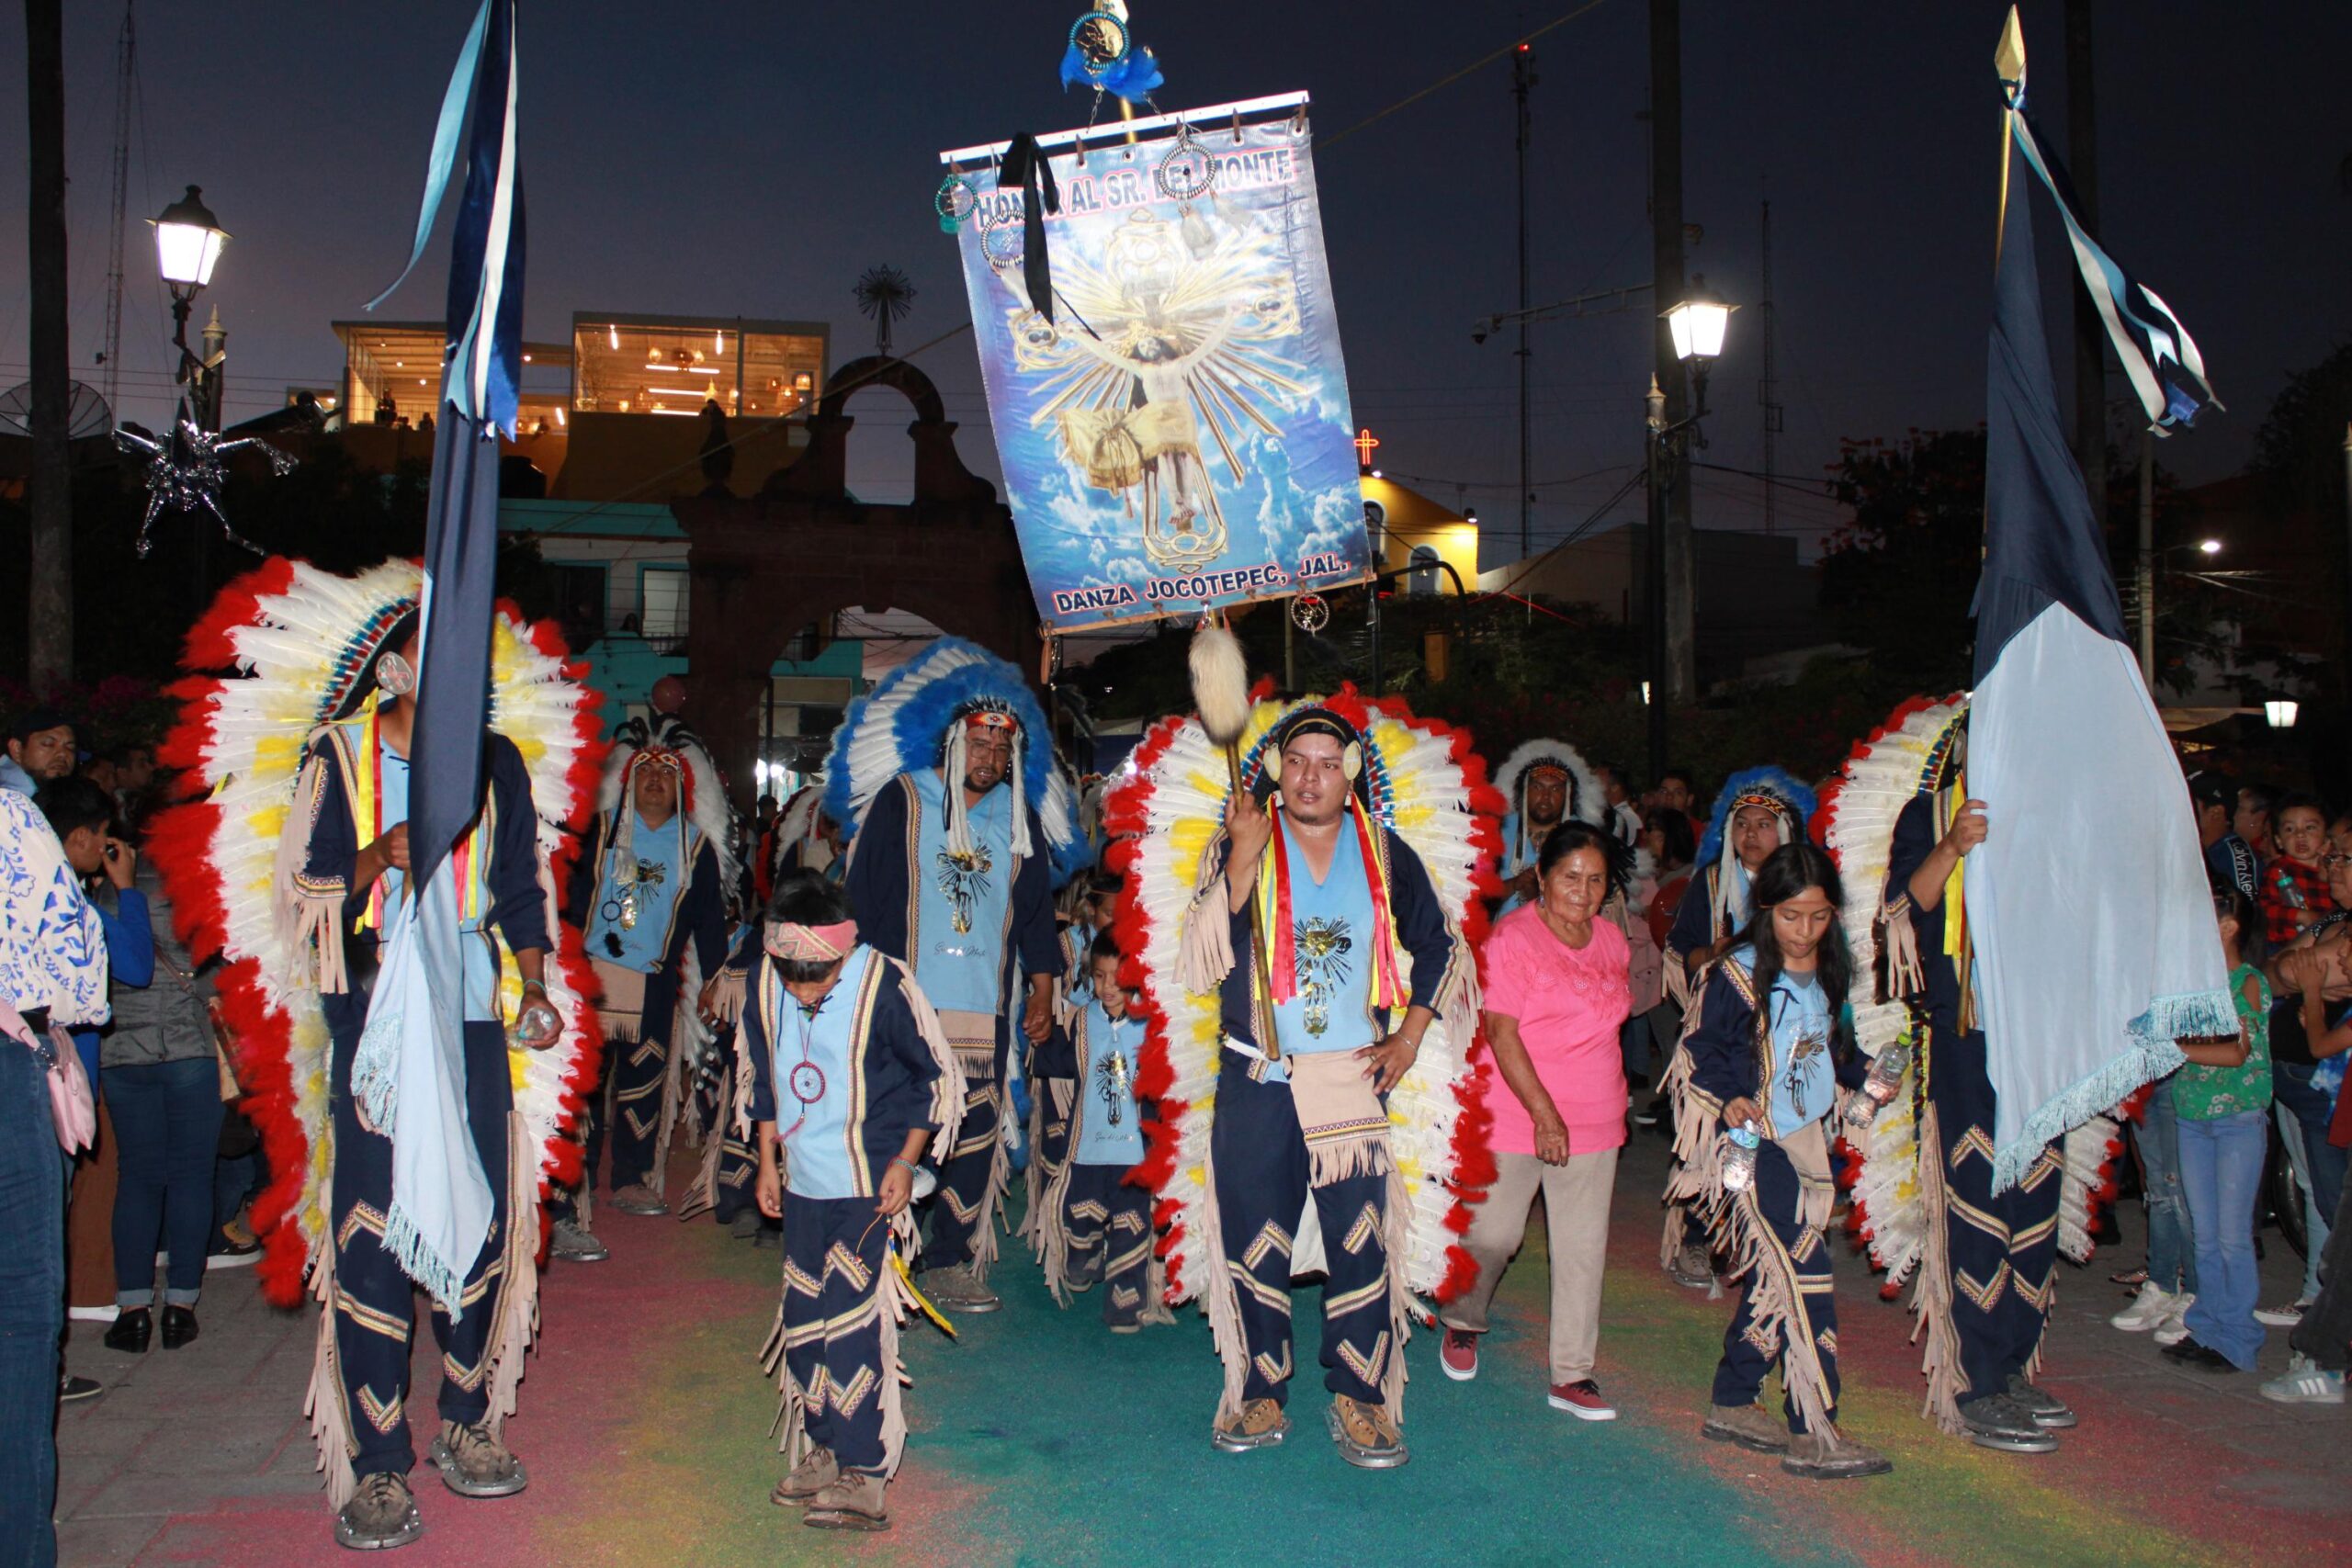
x=814 y=1056
x=480 y=951
x=1110 y=1123
x=963 y=906
x=1331 y=932
x=651 y=869
x=1804 y=1081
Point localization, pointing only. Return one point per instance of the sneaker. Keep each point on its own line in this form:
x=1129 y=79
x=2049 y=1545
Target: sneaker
x=381 y=1514
x=2049 y=1412
x=854 y=1502
x=2305 y=1381
x=2187 y=1352
x=816 y=1471
x=2148 y=1310
x=1366 y=1434
x=577 y=1244
x=475 y=1463
x=1261 y=1425
x=2284 y=1316
x=71 y=1389
x=636 y=1198
x=1582 y=1400
x=1746 y=1425
x=1827 y=1456
x=2006 y=1425
x=1648 y=1116
x=1457 y=1355
x=2175 y=1328
x=1692 y=1267
x=961 y=1288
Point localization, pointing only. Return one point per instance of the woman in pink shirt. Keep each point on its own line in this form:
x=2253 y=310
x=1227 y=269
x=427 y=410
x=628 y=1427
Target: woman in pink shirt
x=1557 y=992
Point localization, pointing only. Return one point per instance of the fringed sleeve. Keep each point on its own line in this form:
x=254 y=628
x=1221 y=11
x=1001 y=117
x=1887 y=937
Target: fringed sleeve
x=946 y=1113
x=1204 y=931
x=311 y=895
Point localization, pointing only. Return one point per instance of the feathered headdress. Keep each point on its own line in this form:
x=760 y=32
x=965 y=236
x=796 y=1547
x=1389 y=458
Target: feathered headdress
x=1775 y=789
x=916 y=718
x=666 y=742
x=1587 y=802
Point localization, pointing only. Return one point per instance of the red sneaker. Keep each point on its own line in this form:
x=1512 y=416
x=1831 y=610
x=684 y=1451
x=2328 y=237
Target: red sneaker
x=1582 y=1400
x=1457 y=1355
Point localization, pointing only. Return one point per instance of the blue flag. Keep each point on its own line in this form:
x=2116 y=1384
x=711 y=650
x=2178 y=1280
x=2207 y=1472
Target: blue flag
x=2087 y=912
x=411 y=1069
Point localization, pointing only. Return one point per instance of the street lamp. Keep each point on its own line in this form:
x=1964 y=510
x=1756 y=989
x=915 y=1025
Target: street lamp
x=2279 y=712
x=2209 y=547
x=1697 y=324
x=189 y=240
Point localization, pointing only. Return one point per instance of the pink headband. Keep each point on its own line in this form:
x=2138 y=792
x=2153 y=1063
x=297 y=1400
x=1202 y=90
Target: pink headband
x=809 y=944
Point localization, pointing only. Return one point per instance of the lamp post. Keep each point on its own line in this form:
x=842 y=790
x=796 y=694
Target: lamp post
x=189 y=240
x=1697 y=324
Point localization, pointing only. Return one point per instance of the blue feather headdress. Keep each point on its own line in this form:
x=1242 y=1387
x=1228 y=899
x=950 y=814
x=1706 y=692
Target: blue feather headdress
x=906 y=723
x=1769 y=786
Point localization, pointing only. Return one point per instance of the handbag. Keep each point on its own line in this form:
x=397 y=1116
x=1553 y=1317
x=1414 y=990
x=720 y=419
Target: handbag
x=72 y=1108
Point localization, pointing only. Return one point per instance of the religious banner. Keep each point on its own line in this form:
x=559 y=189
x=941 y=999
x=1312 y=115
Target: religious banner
x=1171 y=414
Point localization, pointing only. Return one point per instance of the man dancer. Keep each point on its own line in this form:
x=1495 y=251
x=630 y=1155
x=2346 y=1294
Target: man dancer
x=1303 y=914
x=1987 y=1277
x=349 y=869
x=1545 y=782
x=949 y=873
x=649 y=883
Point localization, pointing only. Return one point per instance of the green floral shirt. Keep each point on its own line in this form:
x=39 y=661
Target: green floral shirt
x=2204 y=1094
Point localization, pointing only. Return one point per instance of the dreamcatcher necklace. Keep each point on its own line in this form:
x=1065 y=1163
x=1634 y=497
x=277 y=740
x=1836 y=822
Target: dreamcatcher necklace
x=807 y=1079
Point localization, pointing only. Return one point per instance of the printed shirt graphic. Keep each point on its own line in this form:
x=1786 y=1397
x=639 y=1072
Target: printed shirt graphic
x=958 y=954
x=1110 y=1125
x=1804 y=1081
x=1331 y=930
x=635 y=895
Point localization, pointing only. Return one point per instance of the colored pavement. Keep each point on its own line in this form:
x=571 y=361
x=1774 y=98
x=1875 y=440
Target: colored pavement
x=1039 y=1437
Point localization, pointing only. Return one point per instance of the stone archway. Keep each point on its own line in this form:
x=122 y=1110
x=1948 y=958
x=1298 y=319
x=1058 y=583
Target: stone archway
x=763 y=567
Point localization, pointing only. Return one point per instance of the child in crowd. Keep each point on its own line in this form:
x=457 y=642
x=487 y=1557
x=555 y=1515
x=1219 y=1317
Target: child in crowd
x=2294 y=885
x=850 y=1079
x=1763 y=1059
x=2223 y=1101
x=1106 y=1232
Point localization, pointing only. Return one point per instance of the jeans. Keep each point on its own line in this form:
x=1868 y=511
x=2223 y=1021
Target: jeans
x=2291 y=1085
x=2172 y=1240
x=2315 y=1226
x=32 y=1310
x=2221 y=1169
x=1633 y=1042
x=2326 y=1329
x=167 y=1133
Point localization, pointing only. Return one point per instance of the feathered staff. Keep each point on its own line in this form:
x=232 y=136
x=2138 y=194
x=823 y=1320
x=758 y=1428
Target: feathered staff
x=1221 y=696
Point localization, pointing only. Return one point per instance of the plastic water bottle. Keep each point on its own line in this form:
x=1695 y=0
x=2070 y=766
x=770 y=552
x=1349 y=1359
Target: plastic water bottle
x=1885 y=1079
x=537 y=1019
x=1739 y=1156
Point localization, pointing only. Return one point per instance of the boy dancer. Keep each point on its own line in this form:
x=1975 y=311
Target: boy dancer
x=841 y=1041
x=1105 y=1232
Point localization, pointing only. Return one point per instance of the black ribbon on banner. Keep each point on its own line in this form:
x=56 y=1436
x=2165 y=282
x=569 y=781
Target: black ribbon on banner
x=1025 y=166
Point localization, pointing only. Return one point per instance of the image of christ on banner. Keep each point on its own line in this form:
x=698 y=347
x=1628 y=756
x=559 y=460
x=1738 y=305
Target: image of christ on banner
x=1179 y=435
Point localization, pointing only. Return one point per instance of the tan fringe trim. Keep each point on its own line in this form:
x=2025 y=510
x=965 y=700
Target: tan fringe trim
x=516 y=1323
x=310 y=925
x=984 y=1232
x=1339 y=1117
x=1400 y=1298
x=1205 y=935
x=947 y=1090
x=1932 y=1298
x=1053 y=1233
x=1905 y=976
x=1154 y=1295
x=1218 y=1294
x=324 y=1402
x=727 y=997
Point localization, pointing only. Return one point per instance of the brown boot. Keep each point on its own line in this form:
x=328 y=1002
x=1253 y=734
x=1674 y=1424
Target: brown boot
x=817 y=1470
x=1748 y=1426
x=854 y=1502
x=1261 y=1425
x=1366 y=1434
x=1829 y=1456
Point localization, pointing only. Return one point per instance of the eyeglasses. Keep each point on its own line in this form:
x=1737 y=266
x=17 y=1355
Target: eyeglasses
x=2330 y=861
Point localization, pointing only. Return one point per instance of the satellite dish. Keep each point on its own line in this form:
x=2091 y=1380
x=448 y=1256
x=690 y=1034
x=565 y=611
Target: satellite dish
x=86 y=413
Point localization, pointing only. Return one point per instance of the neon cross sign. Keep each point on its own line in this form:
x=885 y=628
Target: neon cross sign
x=1364 y=443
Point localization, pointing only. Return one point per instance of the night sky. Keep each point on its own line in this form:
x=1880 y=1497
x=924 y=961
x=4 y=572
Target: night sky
x=751 y=159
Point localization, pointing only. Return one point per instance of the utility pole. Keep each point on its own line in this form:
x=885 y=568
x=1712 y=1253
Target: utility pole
x=1768 y=387
x=48 y=611
x=1666 y=293
x=1654 y=456
x=126 y=74
x=2090 y=332
x=1522 y=77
